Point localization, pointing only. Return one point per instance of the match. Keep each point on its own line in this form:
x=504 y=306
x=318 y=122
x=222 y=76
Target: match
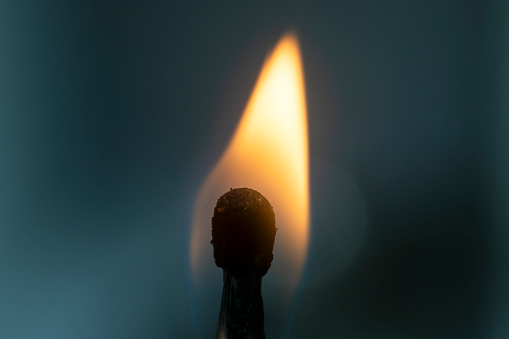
x=243 y=234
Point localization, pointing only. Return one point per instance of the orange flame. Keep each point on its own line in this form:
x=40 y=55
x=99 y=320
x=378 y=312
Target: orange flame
x=268 y=153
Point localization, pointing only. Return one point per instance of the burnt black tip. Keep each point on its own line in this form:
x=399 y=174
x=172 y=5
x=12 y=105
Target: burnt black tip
x=243 y=232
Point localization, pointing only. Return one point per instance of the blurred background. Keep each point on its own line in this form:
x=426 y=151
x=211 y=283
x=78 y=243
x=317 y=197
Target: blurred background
x=112 y=113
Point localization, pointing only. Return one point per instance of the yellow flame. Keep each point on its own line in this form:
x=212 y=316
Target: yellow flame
x=268 y=153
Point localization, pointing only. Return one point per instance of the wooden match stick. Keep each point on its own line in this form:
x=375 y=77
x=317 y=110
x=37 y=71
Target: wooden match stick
x=243 y=234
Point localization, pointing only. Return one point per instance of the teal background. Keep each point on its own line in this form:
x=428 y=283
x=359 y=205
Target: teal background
x=112 y=113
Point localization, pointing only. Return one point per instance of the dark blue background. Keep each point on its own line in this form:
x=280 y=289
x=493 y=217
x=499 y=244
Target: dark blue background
x=112 y=112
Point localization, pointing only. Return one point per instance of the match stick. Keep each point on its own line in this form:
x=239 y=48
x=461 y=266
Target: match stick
x=243 y=233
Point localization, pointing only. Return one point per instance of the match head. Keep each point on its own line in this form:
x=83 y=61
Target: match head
x=243 y=232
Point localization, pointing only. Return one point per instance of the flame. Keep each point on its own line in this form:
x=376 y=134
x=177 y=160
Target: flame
x=269 y=153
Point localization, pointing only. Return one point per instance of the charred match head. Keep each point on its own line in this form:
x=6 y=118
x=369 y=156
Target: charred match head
x=243 y=232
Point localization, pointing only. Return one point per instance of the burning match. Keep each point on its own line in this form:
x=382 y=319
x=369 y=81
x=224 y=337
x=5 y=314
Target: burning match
x=243 y=233
x=268 y=151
